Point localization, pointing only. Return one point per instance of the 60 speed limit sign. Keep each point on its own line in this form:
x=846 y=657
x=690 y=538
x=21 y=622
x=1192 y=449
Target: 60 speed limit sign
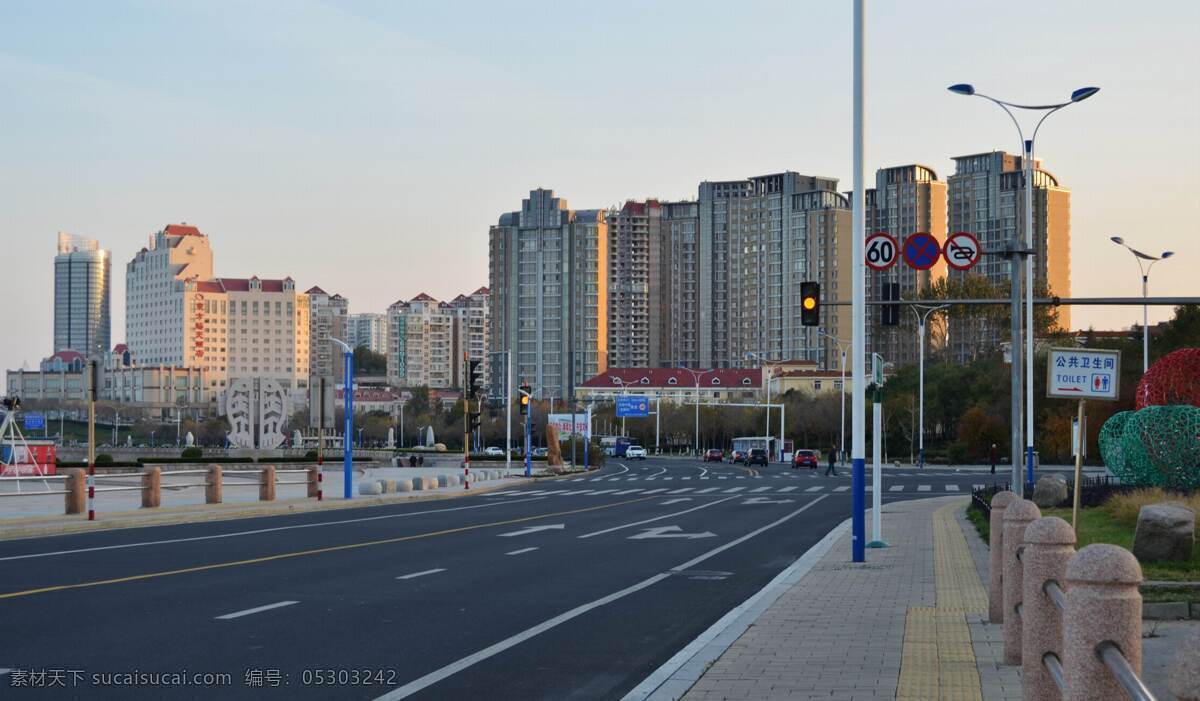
x=882 y=251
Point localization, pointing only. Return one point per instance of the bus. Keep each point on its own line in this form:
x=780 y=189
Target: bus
x=615 y=446
x=771 y=444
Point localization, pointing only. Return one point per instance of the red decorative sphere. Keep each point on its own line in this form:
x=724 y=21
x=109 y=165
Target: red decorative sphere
x=1174 y=379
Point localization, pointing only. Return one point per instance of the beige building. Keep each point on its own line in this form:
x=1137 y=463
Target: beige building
x=328 y=317
x=62 y=378
x=548 y=276
x=156 y=317
x=368 y=330
x=635 y=294
x=427 y=339
x=675 y=385
x=806 y=378
x=987 y=198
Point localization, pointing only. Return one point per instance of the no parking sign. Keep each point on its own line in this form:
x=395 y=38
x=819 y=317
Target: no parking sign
x=921 y=251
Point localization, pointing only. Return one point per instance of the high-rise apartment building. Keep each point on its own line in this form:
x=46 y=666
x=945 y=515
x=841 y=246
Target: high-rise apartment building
x=82 y=280
x=987 y=199
x=367 y=330
x=679 y=277
x=427 y=339
x=177 y=313
x=548 y=277
x=760 y=238
x=327 y=319
x=635 y=294
x=906 y=200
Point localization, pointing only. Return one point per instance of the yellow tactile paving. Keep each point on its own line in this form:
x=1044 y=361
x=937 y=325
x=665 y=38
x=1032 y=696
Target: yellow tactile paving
x=938 y=661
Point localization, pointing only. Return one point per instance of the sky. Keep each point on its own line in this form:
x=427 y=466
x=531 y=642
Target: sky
x=367 y=146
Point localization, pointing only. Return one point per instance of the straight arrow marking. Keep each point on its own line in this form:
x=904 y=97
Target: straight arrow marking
x=669 y=532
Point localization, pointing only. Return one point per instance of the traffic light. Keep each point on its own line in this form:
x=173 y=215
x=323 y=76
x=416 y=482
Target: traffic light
x=891 y=312
x=525 y=392
x=810 y=304
x=474 y=377
x=474 y=420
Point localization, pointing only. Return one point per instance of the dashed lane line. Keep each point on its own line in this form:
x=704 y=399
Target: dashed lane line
x=521 y=551
x=256 y=609
x=422 y=573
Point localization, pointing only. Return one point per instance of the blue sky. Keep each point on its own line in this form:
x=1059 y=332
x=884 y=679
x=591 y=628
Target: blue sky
x=367 y=146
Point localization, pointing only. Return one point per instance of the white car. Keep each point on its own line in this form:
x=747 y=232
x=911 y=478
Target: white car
x=493 y=450
x=635 y=452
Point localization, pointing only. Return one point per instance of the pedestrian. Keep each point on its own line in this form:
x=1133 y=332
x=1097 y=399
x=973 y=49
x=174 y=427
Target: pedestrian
x=992 y=457
x=421 y=460
x=832 y=461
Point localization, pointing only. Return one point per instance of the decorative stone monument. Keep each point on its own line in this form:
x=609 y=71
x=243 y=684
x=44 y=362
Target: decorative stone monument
x=255 y=403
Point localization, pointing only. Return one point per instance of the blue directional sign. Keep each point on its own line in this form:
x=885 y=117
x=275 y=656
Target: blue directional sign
x=921 y=251
x=34 y=421
x=633 y=406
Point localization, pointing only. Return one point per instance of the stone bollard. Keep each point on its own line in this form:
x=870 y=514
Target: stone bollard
x=1000 y=502
x=404 y=485
x=1049 y=545
x=1017 y=517
x=314 y=481
x=1103 y=604
x=76 y=496
x=212 y=487
x=1184 y=681
x=151 y=487
x=266 y=488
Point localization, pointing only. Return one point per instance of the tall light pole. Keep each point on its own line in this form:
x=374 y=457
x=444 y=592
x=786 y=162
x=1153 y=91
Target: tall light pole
x=1145 y=268
x=1018 y=260
x=922 y=316
x=696 y=375
x=760 y=357
x=348 y=418
x=858 y=220
x=841 y=426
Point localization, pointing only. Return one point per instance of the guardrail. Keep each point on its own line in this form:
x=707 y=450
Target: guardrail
x=76 y=484
x=1072 y=619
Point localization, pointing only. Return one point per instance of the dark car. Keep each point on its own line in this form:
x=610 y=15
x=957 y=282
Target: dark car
x=713 y=455
x=758 y=456
x=805 y=458
x=737 y=456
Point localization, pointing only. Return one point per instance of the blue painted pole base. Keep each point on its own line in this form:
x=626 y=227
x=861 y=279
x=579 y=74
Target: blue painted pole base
x=1029 y=463
x=859 y=515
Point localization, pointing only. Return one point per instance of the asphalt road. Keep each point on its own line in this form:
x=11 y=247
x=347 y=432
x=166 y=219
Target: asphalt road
x=569 y=588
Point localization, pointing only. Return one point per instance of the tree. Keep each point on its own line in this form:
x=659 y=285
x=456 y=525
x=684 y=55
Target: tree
x=368 y=362
x=978 y=430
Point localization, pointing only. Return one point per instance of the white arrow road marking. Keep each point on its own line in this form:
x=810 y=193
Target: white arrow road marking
x=669 y=532
x=668 y=502
x=656 y=518
x=414 y=575
x=521 y=551
x=764 y=500
x=534 y=529
x=256 y=609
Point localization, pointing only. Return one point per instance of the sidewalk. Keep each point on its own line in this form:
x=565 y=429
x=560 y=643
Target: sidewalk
x=897 y=626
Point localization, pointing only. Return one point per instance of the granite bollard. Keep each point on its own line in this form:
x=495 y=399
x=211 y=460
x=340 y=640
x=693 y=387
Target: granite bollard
x=151 y=487
x=1017 y=517
x=1000 y=502
x=1049 y=545
x=1103 y=605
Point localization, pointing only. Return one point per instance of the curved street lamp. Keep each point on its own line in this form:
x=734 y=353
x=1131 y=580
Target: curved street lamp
x=1018 y=260
x=1145 y=268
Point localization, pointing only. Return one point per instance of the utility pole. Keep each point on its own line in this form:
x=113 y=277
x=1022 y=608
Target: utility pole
x=859 y=310
x=91 y=434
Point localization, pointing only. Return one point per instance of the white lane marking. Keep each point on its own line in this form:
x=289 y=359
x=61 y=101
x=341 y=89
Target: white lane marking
x=732 y=490
x=500 y=494
x=765 y=500
x=668 y=477
x=492 y=650
x=574 y=492
x=814 y=489
x=668 y=502
x=722 y=478
x=841 y=488
x=670 y=532
x=256 y=609
x=706 y=491
x=656 y=518
x=924 y=488
x=656 y=474
x=4 y=670
x=740 y=477
x=897 y=488
x=977 y=486
x=259 y=530
x=521 y=551
x=626 y=491
x=758 y=489
x=624 y=468
x=414 y=575
x=681 y=491
x=555 y=491
x=533 y=529
x=787 y=489
x=654 y=491
x=602 y=491
x=952 y=488
x=685 y=478
x=631 y=479
x=703 y=471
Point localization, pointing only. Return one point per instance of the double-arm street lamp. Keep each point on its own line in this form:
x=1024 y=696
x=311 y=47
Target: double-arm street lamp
x=1145 y=268
x=348 y=418
x=1019 y=250
x=922 y=315
x=696 y=375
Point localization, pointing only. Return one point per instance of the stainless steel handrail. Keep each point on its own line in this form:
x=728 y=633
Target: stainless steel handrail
x=27 y=478
x=1056 y=595
x=1054 y=667
x=1111 y=655
x=34 y=494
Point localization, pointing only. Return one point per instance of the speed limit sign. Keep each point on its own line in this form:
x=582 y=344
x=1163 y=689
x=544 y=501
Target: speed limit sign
x=882 y=251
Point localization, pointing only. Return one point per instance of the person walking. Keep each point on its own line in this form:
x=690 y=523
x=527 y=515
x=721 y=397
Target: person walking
x=992 y=457
x=832 y=461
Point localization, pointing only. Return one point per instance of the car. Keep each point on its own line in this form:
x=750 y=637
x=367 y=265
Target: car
x=737 y=456
x=757 y=456
x=805 y=458
x=493 y=451
x=714 y=455
x=635 y=452
x=541 y=452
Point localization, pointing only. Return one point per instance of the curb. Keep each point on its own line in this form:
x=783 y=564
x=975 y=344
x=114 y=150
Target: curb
x=677 y=675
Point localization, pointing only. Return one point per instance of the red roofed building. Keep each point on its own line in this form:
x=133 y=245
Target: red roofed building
x=676 y=384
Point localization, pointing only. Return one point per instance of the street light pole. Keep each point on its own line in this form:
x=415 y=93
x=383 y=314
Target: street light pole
x=1139 y=257
x=922 y=316
x=347 y=418
x=696 y=380
x=1020 y=254
x=858 y=286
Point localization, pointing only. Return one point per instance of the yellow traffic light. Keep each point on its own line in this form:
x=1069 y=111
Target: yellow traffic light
x=810 y=302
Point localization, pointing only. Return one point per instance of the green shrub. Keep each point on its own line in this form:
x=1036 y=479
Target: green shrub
x=104 y=459
x=192 y=452
x=311 y=455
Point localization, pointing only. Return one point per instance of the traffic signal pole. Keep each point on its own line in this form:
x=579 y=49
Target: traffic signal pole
x=466 y=422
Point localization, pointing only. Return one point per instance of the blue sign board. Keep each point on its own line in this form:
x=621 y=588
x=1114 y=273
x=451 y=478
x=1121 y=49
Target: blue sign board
x=633 y=406
x=34 y=421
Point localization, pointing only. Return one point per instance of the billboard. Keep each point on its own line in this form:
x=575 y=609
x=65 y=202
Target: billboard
x=633 y=406
x=34 y=422
x=563 y=422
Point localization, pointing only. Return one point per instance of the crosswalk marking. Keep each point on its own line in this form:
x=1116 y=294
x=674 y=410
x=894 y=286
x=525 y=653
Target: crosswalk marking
x=759 y=489
x=897 y=488
x=706 y=491
x=924 y=488
x=814 y=489
x=952 y=488
x=732 y=490
x=655 y=491
x=681 y=491
x=787 y=489
x=841 y=489
x=627 y=491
